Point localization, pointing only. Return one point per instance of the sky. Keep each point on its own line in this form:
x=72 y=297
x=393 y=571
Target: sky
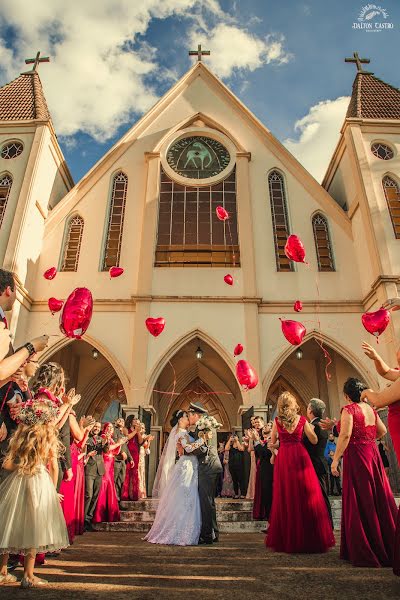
x=111 y=60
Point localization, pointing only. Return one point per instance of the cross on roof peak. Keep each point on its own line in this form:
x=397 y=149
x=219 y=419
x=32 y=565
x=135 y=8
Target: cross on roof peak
x=199 y=53
x=359 y=62
x=35 y=61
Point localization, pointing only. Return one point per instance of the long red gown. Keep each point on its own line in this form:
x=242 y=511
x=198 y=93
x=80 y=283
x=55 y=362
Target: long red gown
x=299 y=520
x=79 y=496
x=130 y=489
x=67 y=489
x=394 y=429
x=368 y=508
x=107 y=508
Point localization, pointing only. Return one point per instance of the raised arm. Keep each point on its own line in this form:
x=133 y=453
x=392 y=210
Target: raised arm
x=381 y=367
x=385 y=397
x=346 y=428
x=310 y=433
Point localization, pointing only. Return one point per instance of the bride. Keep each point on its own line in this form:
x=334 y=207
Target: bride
x=178 y=517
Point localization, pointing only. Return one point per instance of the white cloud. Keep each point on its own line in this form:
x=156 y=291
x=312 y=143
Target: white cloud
x=318 y=135
x=235 y=49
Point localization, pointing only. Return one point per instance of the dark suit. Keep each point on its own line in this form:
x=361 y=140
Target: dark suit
x=64 y=462
x=94 y=472
x=210 y=469
x=120 y=463
x=264 y=455
x=316 y=453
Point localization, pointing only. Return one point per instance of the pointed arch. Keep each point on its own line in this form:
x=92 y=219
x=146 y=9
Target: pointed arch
x=115 y=224
x=391 y=189
x=6 y=181
x=72 y=243
x=280 y=385
x=280 y=218
x=323 y=245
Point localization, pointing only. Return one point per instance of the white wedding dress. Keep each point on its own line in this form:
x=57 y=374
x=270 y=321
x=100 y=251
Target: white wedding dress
x=178 y=517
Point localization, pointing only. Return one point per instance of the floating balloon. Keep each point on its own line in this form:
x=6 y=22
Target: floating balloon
x=294 y=249
x=155 y=326
x=376 y=322
x=222 y=214
x=293 y=331
x=228 y=279
x=298 y=306
x=115 y=272
x=77 y=313
x=246 y=375
x=50 y=273
x=238 y=350
x=55 y=305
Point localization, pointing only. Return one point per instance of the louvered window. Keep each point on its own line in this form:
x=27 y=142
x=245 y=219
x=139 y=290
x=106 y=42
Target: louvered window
x=323 y=245
x=5 y=188
x=392 y=194
x=112 y=250
x=72 y=245
x=280 y=221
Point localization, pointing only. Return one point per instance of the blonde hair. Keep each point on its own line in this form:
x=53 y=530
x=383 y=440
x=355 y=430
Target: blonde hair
x=32 y=446
x=288 y=409
x=50 y=375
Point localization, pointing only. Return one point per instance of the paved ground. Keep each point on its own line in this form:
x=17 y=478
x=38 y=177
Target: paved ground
x=100 y=566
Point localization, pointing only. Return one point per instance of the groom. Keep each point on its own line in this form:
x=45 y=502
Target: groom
x=209 y=470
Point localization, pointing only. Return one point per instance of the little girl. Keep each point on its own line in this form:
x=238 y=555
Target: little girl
x=31 y=519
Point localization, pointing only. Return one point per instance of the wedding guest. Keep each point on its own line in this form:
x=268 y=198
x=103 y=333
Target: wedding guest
x=257 y=508
x=330 y=445
x=79 y=495
x=335 y=488
x=299 y=519
x=130 y=489
x=236 y=467
x=107 y=508
x=220 y=482
x=28 y=494
x=121 y=459
x=253 y=463
x=315 y=412
x=143 y=452
x=94 y=471
x=368 y=508
x=227 y=484
x=266 y=470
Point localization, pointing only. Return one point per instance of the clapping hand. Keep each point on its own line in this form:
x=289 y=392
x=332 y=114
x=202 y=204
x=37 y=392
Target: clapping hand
x=327 y=424
x=87 y=422
x=15 y=409
x=92 y=453
x=71 y=397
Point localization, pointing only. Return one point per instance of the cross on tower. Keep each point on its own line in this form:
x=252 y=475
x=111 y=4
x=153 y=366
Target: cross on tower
x=199 y=53
x=358 y=61
x=35 y=61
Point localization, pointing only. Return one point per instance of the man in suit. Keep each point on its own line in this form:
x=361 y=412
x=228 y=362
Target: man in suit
x=315 y=411
x=94 y=472
x=122 y=458
x=210 y=469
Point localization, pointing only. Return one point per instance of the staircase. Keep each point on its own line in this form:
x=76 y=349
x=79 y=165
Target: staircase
x=234 y=516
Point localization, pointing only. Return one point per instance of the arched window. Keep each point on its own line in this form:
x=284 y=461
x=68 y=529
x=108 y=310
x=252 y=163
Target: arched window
x=5 y=188
x=189 y=231
x=72 y=245
x=323 y=245
x=112 y=249
x=392 y=194
x=280 y=221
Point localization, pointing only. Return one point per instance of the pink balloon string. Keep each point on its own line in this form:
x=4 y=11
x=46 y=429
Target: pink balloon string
x=320 y=341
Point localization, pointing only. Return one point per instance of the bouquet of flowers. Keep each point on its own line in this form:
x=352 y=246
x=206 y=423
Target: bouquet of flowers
x=207 y=423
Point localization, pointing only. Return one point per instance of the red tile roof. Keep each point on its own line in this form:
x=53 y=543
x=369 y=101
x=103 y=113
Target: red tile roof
x=23 y=99
x=372 y=98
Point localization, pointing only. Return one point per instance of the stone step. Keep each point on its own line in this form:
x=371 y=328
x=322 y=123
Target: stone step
x=150 y=504
x=144 y=526
x=134 y=516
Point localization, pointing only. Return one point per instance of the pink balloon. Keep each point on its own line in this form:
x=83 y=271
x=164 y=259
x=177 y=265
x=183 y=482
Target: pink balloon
x=115 y=272
x=77 y=313
x=238 y=350
x=222 y=214
x=155 y=326
x=228 y=279
x=376 y=322
x=246 y=375
x=50 y=273
x=294 y=249
x=55 y=305
x=298 y=306
x=293 y=331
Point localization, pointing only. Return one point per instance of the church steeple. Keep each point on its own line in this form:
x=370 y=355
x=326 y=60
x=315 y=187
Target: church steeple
x=23 y=99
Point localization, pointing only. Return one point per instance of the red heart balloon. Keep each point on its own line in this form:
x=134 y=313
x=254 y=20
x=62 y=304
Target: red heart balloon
x=115 y=272
x=222 y=214
x=238 y=350
x=298 y=306
x=246 y=375
x=294 y=249
x=155 y=326
x=293 y=331
x=77 y=313
x=376 y=322
x=228 y=279
x=55 y=305
x=50 y=273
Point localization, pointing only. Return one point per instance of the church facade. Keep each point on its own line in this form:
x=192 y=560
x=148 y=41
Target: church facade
x=149 y=206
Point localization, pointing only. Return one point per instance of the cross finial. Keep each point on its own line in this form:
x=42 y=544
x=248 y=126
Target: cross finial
x=359 y=62
x=35 y=61
x=199 y=53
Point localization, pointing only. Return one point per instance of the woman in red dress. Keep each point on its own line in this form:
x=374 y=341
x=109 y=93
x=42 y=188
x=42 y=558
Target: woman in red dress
x=132 y=431
x=299 y=520
x=368 y=508
x=107 y=508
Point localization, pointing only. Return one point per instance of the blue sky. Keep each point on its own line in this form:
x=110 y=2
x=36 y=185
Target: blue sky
x=313 y=38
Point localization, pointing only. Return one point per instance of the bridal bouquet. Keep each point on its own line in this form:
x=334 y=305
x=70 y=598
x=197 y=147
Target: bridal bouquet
x=207 y=423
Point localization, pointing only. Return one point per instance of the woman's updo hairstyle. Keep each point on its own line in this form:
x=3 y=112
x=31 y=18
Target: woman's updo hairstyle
x=353 y=388
x=178 y=414
x=51 y=376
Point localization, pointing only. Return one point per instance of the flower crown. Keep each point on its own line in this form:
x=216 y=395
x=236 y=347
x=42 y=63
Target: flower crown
x=38 y=413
